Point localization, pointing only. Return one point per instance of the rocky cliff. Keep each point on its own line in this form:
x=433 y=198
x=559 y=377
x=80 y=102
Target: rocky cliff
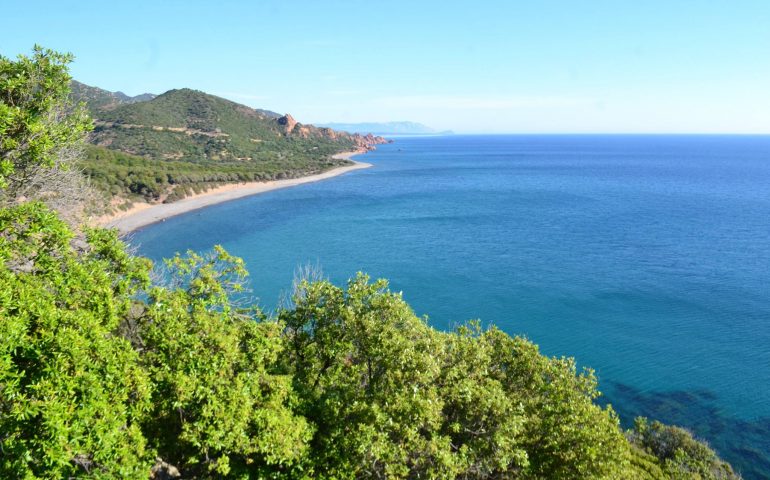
x=293 y=128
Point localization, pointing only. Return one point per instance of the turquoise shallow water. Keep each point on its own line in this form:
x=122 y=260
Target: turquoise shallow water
x=645 y=257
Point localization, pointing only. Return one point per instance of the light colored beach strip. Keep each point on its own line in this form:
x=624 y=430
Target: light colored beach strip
x=143 y=214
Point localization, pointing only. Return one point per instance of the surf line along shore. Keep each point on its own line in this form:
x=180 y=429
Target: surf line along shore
x=143 y=214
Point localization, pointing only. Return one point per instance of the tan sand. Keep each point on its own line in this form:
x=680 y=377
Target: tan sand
x=143 y=214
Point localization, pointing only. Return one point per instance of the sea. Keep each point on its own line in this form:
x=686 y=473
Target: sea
x=644 y=257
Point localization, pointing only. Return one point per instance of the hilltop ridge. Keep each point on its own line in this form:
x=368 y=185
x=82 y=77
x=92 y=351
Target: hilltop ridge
x=99 y=99
x=190 y=125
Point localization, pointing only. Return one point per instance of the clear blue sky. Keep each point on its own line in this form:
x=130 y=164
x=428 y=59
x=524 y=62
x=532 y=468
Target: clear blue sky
x=495 y=66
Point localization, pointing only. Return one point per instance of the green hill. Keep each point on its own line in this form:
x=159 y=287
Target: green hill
x=193 y=126
x=162 y=148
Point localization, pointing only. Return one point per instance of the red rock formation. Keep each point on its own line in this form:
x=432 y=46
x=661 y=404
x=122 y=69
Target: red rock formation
x=328 y=132
x=292 y=127
x=303 y=131
x=368 y=141
x=288 y=122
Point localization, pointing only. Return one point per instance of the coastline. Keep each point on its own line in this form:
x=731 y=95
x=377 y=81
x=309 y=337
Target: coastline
x=143 y=214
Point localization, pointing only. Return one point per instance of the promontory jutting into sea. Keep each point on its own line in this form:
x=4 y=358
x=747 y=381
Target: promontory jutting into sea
x=645 y=257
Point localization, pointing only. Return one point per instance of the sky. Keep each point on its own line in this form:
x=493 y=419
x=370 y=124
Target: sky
x=572 y=66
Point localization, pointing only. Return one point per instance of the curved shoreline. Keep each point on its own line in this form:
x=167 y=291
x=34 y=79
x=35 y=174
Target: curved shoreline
x=143 y=214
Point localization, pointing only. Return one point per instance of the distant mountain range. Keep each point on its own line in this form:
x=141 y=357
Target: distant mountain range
x=386 y=128
x=98 y=99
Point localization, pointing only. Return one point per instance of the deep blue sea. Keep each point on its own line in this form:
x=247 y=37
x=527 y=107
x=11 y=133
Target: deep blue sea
x=646 y=258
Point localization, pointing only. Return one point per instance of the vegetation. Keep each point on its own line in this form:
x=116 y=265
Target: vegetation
x=346 y=383
x=163 y=148
x=105 y=373
x=71 y=389
x=193 y=126
x=677 y=452
x=41 y=132
x=134 y=178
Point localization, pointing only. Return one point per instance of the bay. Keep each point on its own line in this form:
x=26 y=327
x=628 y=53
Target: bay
x=645 y=257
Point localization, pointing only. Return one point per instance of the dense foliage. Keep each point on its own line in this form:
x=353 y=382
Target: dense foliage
x=134 y=178
x=677 y=452
x=394 y=398
x=345 y=383
x=71 y=389
x=106 y=373
x=38 y=122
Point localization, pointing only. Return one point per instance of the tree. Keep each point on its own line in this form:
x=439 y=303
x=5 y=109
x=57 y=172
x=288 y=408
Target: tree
x=72 y=391
x=364 y=369
x=220 y=407
x=391 y=397
x=41 y=131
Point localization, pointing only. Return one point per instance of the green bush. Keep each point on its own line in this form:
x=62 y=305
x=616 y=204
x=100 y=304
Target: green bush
x=103 y=374
x=119 y=174
x=680 y=455
x=219 y=406
x=72 y=391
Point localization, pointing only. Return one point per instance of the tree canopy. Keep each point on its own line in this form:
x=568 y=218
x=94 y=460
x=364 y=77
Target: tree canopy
x=38 y=122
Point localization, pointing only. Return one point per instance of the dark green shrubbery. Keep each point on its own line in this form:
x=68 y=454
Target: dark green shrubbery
x=121 y=175
x=185 y=140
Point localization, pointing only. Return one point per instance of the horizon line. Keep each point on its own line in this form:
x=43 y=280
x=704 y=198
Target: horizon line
x=456 y=133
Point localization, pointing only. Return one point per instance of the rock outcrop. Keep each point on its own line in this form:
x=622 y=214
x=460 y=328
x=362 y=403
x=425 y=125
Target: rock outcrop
x=367 y=141
x=288 y=122
x=291 y=127
x=164 y=471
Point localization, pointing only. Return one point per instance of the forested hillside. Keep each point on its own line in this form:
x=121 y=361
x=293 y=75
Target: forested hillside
x=163 y=148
